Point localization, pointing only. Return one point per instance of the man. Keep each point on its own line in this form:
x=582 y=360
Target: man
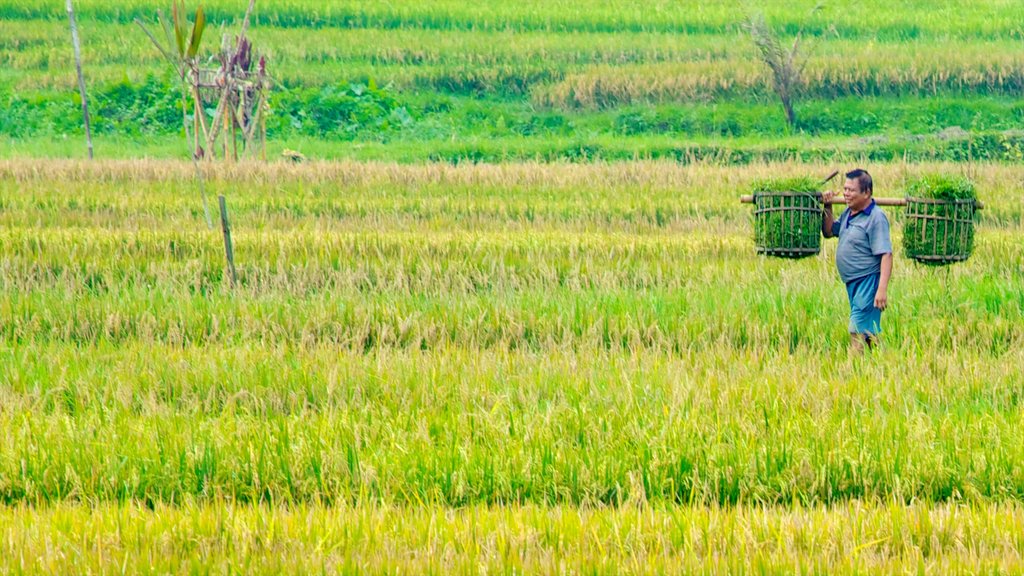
x=864 y=256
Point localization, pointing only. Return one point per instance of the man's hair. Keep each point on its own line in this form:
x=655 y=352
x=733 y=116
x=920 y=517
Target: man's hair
x=863 y=180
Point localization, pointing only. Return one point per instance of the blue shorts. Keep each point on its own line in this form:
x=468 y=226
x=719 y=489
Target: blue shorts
x=864 y=317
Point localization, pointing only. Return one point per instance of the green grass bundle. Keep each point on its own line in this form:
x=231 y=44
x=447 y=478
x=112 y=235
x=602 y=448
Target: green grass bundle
x=939 y=226
x=787 y=219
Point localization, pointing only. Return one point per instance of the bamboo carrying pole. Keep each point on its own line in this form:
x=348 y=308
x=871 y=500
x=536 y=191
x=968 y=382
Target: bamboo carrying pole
x=749 y=199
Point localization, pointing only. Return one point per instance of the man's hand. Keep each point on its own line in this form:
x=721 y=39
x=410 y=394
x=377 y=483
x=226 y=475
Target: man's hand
x=881 y=295
x=826 y=215
x=881 y=299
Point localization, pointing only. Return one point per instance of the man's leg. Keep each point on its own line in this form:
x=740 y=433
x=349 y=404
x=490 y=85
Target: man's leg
x=865 y=319
x=856 y=343
x=860 y=342
x=872 y=341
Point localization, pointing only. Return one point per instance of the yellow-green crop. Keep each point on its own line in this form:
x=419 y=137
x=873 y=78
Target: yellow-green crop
x=513 y=367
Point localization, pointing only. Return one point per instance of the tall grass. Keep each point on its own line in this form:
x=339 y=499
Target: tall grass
x=597 y=67
x=992 y=18
x=515 y=350
x=531 y=334
x=880 y=539
x=473 y=424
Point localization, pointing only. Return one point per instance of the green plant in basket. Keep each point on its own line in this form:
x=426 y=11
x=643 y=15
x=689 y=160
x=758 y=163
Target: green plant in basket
x=787 y=220
x=939 y=225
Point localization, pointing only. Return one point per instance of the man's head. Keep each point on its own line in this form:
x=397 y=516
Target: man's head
x=858 y=189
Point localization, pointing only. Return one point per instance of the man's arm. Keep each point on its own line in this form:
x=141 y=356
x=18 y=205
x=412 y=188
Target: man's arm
x=881 y=245
x=882 y=296
x=827 y=218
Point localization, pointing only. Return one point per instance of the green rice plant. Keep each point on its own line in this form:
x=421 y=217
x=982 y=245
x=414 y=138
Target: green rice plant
x=939 y=228
x=787 y=217
x=226 y=538
x=486 y=88
x=531 y=366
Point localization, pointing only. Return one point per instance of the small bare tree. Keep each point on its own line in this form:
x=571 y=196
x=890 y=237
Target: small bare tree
x=181 y=48
x=238 y=85
x=786 y=66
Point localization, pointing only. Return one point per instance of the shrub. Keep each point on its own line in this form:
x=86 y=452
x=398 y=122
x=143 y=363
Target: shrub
x=338 y=111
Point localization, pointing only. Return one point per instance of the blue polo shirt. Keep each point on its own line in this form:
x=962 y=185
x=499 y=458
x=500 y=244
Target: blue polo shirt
x=863 y=240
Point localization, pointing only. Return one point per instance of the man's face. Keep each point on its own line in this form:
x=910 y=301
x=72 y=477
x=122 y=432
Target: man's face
x=855 y=199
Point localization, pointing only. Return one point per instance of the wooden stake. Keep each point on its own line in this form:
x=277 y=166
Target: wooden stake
x=81 y=78
x=228 y=249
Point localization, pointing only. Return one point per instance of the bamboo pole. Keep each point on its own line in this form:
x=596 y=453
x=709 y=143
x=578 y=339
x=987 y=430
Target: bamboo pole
x=229 y=251
x=263 y=134
x=81 y=78
x=749 y=199
x=245 y=20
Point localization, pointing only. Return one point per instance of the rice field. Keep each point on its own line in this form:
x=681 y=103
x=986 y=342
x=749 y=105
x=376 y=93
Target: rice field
x=914 y=18
x=496 y=82
x=473 y=345
x=524 y=367
x=883 y=539
x=593 y=66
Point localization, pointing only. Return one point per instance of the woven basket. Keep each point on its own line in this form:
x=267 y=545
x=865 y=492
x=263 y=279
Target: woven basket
x=939 y=232
x=787 y=224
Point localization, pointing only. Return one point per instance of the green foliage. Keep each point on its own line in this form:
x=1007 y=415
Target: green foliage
x=790 y=184
x=785 y=224
x=197 y=33
x=866 y=20
x=942 y=187
x=152 y=106
x=38 y=114
x=939 y=232
x=533 y=81
x=338 y=111
x=511 y=81
x=180 y=45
